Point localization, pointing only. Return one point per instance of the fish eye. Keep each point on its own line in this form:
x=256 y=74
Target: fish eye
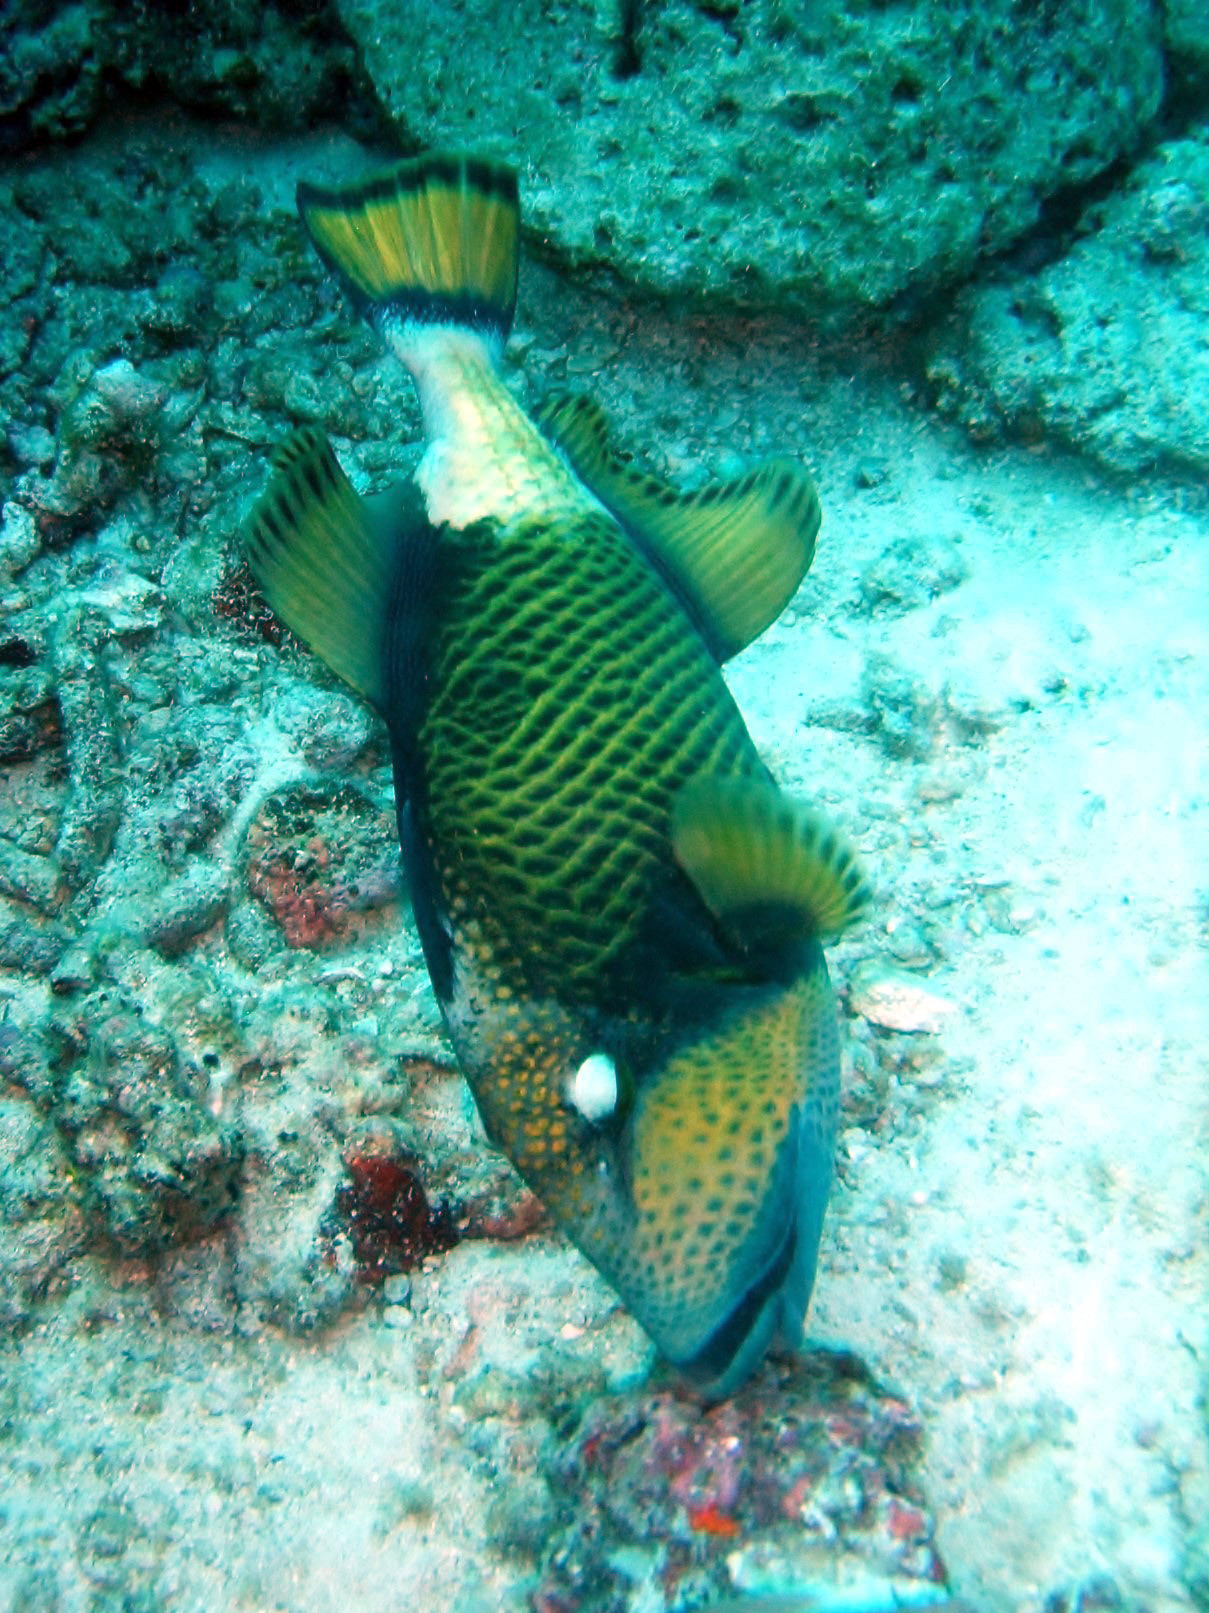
x=593 y=1087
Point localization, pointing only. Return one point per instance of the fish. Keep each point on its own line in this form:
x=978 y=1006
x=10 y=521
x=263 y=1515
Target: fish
x=621 y=913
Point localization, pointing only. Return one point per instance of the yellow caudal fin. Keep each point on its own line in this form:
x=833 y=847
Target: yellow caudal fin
x=735 y=551
x=328 y=560
x=431 y=241
x=773 y=871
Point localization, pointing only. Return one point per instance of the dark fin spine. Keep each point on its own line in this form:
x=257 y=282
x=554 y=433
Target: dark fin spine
x=422 y=884
x=431 y=241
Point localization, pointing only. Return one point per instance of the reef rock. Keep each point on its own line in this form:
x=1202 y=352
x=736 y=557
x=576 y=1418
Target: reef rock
x=1104 y=349
x=61 y=64
x=1188 y=45
x=831 y=157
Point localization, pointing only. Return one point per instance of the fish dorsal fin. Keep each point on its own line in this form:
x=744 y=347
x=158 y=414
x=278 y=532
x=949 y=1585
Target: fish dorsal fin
x=433 y=239
x=326 y=559
x=772 y=870
x=735 y=551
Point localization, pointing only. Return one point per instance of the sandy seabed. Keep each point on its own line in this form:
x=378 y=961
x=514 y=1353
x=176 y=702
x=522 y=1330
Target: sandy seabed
x=996 y=678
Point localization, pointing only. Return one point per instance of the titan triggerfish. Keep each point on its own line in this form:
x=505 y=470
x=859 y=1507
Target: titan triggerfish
x=621 y=913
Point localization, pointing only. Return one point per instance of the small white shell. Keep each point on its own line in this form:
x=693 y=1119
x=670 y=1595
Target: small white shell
x=593 y=1088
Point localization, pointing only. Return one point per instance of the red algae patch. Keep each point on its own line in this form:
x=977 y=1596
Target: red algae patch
x=320 y=859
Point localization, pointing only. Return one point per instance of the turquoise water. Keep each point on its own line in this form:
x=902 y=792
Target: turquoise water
x=281 y=1329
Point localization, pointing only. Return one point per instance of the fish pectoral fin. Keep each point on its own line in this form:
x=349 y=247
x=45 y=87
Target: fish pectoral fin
x=773 y=871
x=328 y=561
x=734 y=551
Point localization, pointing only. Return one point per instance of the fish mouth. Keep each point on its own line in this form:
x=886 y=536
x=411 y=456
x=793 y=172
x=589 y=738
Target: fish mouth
x=730 y=1350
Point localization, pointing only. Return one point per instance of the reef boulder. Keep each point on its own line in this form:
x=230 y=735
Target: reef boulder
x=831 y=157
x=1102 y=350
x=278 y=65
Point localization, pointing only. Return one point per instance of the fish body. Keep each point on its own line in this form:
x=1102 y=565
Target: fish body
x=621 y=914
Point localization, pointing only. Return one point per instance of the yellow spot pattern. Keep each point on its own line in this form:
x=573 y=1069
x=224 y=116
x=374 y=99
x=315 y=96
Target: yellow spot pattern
x=706 y=1140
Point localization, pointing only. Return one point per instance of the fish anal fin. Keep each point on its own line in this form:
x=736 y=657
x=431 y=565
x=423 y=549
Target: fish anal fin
x=773 y=871
x=735 y=551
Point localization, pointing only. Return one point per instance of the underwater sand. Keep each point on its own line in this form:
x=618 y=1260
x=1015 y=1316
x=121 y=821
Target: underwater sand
x=995 y=677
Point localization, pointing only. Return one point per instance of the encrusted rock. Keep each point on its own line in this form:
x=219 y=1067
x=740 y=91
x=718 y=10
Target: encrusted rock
x=157 y=1165
x=318 y=858
x=1104 y=349
x=829 y=157
x=262 y=62
x=39 y=1202
x=91 y=816
x=803 y=1483
x=187 y=907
